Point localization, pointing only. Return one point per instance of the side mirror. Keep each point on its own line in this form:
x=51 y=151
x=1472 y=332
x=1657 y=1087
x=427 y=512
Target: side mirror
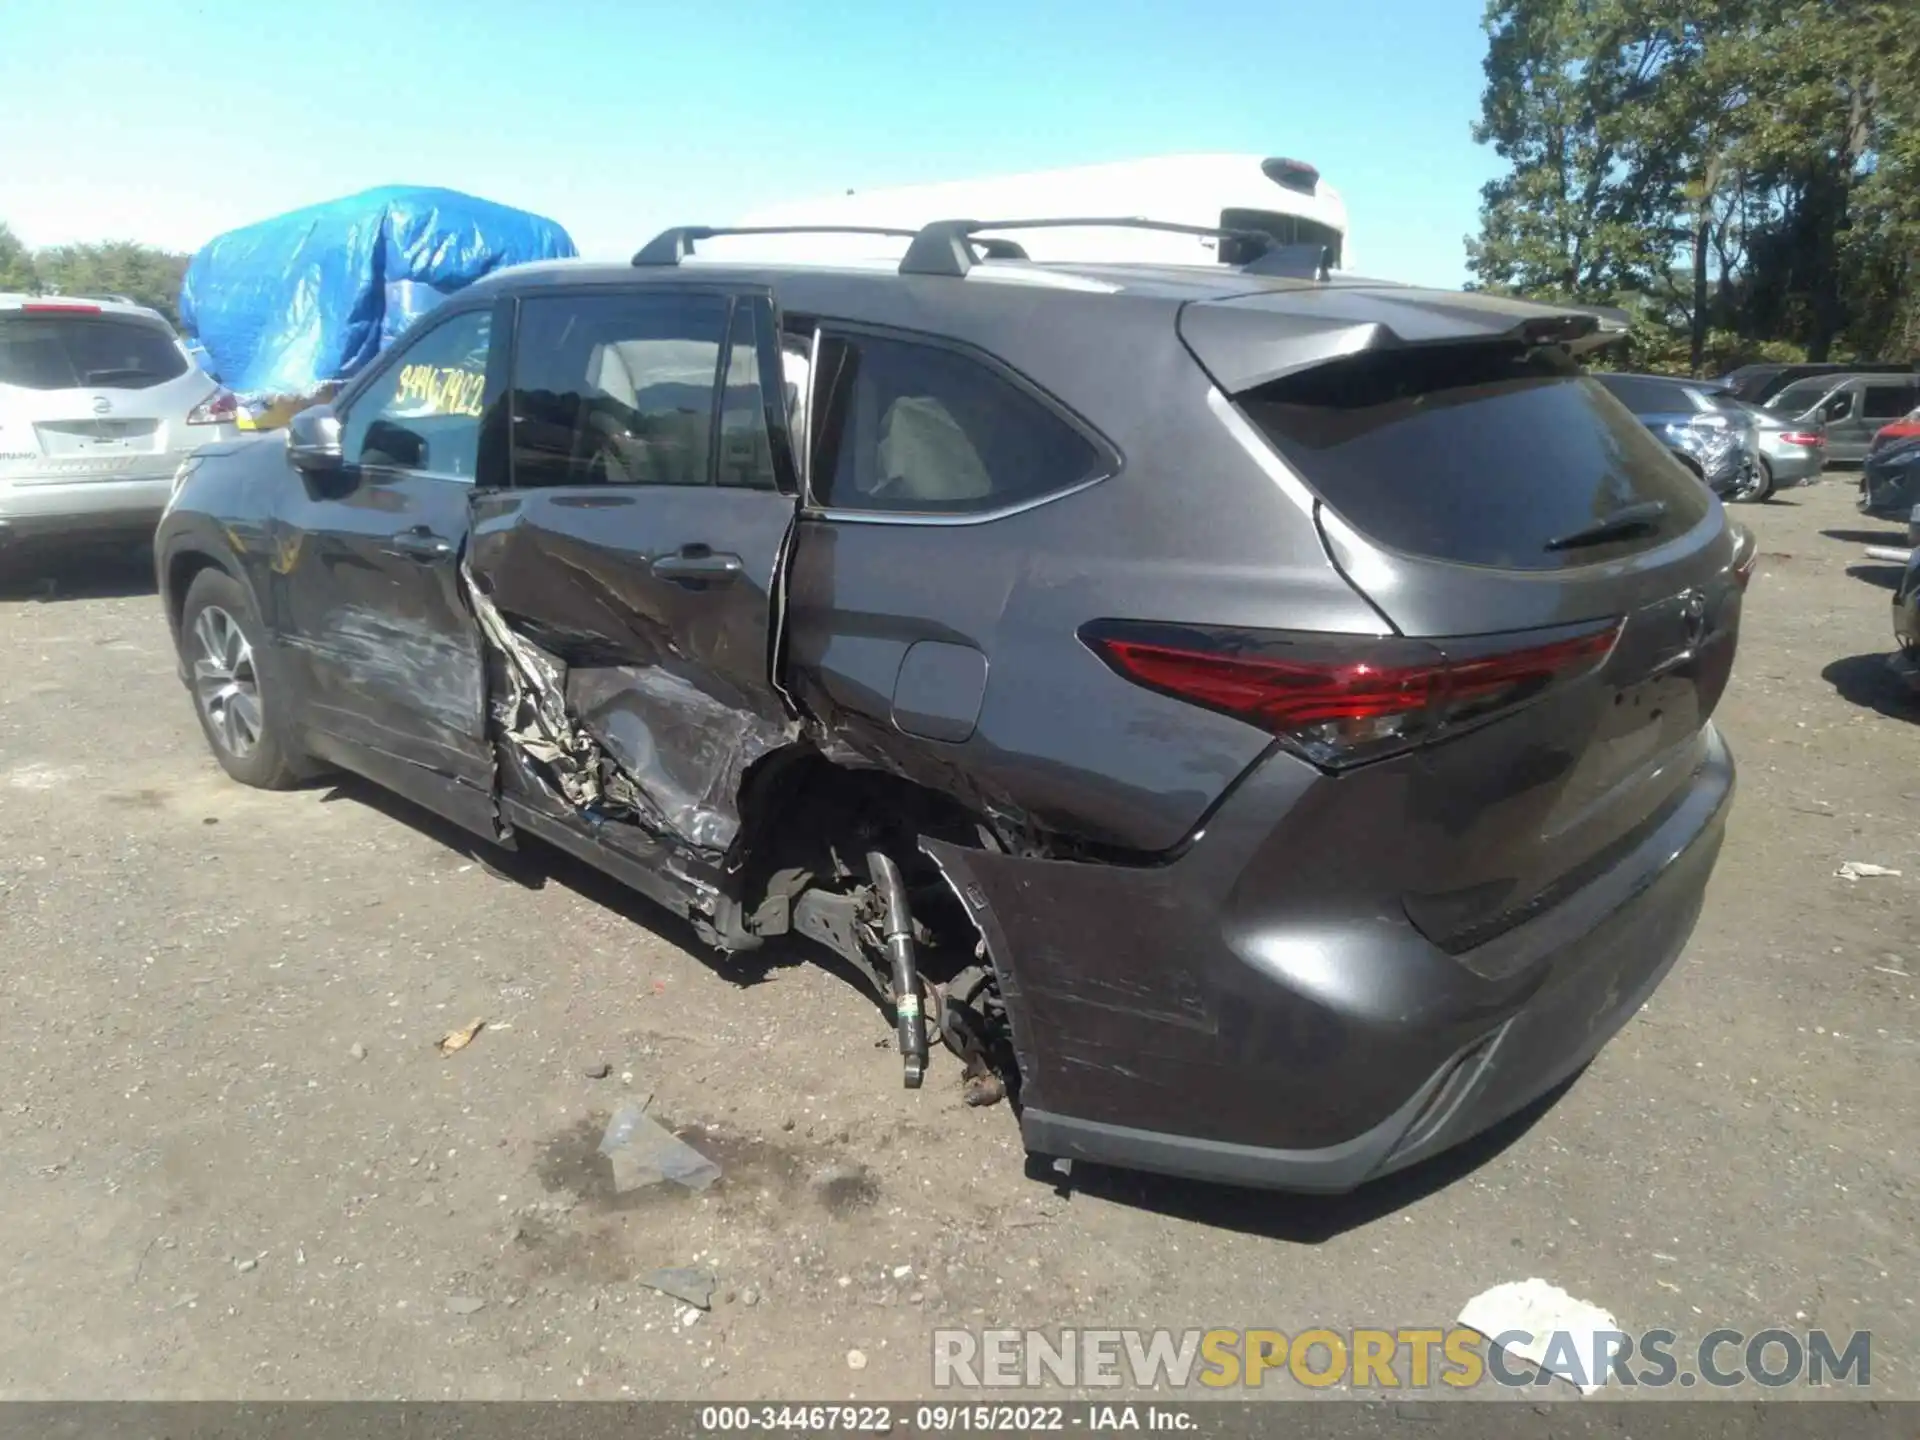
x=313 y=439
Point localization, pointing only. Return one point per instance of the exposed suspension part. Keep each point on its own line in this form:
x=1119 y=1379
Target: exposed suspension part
x=897 y=934
x=972 y=1022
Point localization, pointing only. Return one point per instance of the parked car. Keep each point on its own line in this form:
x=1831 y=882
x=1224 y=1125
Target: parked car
x=1278 y=749
x=1890 y=482
x=1905 y=661
x=1789 y=454
x=1758 y=384
x=1849 y=408
x=1712 y=435
x=1906 y=427
x=99 y=405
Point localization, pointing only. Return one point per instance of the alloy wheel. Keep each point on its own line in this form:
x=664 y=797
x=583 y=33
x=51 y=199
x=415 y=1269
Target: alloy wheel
x=1756 y=483
x=225 y=682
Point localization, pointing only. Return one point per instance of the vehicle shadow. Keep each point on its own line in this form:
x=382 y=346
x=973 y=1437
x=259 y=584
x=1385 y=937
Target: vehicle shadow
x=534 y=864
x=1890 y=536
x=1875 y=572
x=1866 y=681
x=1300 y=1219
x=1297 y=1219
x=97 y=573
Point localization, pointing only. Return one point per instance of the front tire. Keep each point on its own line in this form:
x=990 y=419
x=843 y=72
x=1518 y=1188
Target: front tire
x=236 y=684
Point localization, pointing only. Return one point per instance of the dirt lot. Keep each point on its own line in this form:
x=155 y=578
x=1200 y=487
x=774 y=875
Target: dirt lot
x=236 y=1165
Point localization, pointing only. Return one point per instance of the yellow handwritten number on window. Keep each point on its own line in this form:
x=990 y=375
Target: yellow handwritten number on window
x=440 y=389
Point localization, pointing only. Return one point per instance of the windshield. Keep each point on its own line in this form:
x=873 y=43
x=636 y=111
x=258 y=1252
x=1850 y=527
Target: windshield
x=1801 y=396
x=73 y=352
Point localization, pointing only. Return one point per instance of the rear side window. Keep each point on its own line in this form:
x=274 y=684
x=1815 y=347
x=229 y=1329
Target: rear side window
x=1480 y=455
x=86 y=352
x=1885 y=402
x=617 y=389
x=920 y=429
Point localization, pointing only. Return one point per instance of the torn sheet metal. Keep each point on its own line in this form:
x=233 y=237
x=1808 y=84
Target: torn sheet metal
x=628 y=742
x=686 y=750
x=534 y=714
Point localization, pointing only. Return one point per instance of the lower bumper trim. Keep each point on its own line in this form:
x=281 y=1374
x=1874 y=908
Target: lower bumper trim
x=1467 y=1096
x=1329 y=1171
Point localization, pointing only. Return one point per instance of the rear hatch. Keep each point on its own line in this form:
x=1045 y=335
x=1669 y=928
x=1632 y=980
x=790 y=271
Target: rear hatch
x=87 y=393
x=1493 y=502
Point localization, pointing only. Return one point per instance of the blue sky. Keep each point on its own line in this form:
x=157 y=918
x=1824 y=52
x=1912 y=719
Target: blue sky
x=168 y=121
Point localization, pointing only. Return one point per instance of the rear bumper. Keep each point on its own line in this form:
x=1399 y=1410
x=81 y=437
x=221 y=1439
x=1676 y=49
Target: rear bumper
x=1162 y=1024
x=1798 y=466
x=59 y=509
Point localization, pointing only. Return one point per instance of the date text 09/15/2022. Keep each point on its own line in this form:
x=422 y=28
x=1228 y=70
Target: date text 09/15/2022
x=944 y=1419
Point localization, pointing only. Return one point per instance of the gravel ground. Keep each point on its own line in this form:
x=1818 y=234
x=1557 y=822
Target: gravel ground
x=236 y=1165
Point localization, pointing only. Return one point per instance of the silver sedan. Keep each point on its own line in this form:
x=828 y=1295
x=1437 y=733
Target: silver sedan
x=1790 y=454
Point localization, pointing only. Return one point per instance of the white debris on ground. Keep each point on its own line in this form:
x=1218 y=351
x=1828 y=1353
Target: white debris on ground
x=1561 y=1330
x=1863 y=870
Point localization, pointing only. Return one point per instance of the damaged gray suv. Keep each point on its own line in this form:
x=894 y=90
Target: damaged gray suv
x=1260 y=721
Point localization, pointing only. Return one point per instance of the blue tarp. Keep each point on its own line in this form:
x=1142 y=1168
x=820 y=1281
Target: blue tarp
x=285 y=305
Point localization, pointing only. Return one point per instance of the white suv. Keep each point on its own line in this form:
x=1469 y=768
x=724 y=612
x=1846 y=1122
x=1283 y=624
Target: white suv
x=99 y=404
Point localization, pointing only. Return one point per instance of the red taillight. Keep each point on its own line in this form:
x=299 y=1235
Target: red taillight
x=1480 y=685
x=1279 y=694
x=1341 y=700
x=220 y=408
x=1803 y=437
x=58 y=307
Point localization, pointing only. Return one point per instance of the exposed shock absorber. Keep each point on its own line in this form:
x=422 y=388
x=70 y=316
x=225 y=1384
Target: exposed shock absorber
x=897 y=925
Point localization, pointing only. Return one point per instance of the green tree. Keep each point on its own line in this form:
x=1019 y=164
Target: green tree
x=1834 y=139
x=1743 y=174
x=16 y=262
x=143 y=273
x=1562 y=223
x=117 y=267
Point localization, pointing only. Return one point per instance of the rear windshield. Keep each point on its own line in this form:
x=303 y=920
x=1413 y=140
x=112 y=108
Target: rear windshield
x=1484 y=455
x=1647 y=396
x=74 y=352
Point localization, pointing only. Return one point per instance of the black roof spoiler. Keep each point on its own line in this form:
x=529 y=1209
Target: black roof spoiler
x=1244 y=341
x=953 y=247
x=1611 y=326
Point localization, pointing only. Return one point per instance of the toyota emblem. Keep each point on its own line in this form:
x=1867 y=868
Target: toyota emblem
x=102 y=405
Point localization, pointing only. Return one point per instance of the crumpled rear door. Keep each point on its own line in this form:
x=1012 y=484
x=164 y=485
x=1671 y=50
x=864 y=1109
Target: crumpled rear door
x=629 y=581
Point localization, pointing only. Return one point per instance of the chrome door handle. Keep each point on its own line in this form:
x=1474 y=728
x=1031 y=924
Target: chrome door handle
x=420 y=543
